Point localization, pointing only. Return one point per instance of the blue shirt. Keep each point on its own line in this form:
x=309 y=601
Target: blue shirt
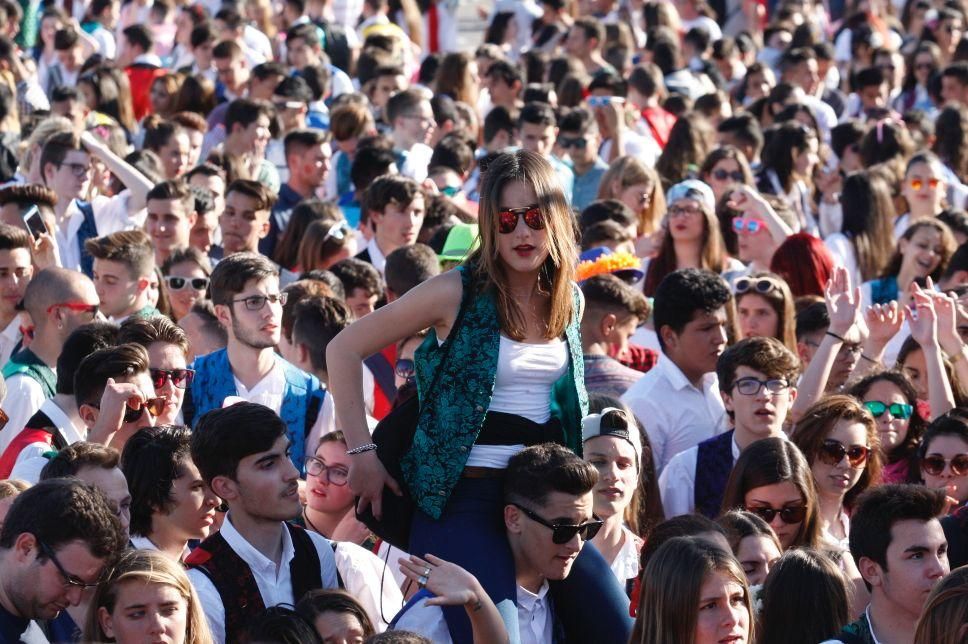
x=565 y=175
x=586 y=185
x=11 y=626
x=279 y=219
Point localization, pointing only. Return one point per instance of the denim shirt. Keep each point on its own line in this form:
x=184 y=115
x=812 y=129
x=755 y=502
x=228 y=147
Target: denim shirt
x=450 y=421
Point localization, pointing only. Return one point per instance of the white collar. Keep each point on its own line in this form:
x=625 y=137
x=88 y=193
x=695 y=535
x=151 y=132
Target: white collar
x=63 y=422
x=529 y=600
x=12 y=330
x=251 y=556
x=678 y=379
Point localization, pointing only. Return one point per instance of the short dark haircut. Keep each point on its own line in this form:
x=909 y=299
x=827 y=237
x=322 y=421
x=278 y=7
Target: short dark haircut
x=328 y=278
x=499 y=119
x=211 y=327
x=148 y=330
x=123 y=360
x=245 y=112
x=505 y=70
x=371 y=161
x=391 y=188
x=316 y=321
x=402 y=103
x=82 y=342
x=264 y=198
x=307 y=31
x=867 y=77
x=60 y=511
x=132 y=248
x=158 y=133
x=812 y=319
x=745 y=130
x=140 y=36
x=957 y=70
x=591 y=27
x=606 y=210
x=683 y=293
x=957 y=221
x=57 y=147
x=223 y=437
x=232 y=274
x=263 y=71
x=537 y=471
x=453 y=151
x=608 y=294
x=877 y=511
x=202 y=34
x=444 y=109
x=299 y=141
x=603 y=233
x=12 y=238
x=357 y=274
x=409 y=266
x=764 y=354
x=63 y=93
x=537 y=114
x=227 y=49
x=74 y=458
x=174 y=190
x=578 y=120
x=280 y=624
x=151 y=461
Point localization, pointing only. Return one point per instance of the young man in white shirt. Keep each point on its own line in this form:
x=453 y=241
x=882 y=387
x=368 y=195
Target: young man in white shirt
x=901 y=552
x=411 y=116
x=678 y=400
x=545 y=486
x=757 y=379
x=16 y=269
x=171 y=217
x=396 y=207
x=256 y=560
x=124 y=272
x=245 y=290
x=65 y=164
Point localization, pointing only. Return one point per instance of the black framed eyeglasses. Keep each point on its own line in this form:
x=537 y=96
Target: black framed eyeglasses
x=257 y=302
x=790 y=515
x=72 y=581
x=335 y=474
x=181 y=378
x=750 y=386
x=565 y=532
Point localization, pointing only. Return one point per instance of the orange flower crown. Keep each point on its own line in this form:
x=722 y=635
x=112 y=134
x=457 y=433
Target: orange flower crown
x=610 y=263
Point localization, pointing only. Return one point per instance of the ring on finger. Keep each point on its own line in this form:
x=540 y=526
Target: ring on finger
x=422 y=581
x=427 y=571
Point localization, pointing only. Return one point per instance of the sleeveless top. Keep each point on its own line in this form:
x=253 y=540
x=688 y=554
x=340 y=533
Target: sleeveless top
x=524 y=377
x=448 y=424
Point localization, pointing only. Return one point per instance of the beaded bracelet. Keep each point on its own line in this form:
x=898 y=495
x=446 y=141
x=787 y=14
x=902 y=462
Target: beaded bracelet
x=366 y=447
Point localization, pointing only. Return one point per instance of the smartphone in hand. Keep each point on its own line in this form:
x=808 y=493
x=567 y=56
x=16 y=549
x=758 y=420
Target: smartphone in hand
x=34 y=222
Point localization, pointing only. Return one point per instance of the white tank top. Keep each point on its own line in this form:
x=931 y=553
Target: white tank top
x=525 y=375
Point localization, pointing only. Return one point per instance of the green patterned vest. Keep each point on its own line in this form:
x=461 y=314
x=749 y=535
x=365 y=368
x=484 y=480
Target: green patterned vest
x=449 y=423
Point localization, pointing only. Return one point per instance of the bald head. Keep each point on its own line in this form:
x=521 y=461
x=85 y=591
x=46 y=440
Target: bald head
x=56 y=286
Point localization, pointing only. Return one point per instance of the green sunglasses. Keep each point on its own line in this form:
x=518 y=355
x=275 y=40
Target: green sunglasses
x=901 y=411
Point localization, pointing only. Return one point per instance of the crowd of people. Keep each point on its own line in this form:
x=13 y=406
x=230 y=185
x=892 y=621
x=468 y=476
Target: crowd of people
x=641 y=322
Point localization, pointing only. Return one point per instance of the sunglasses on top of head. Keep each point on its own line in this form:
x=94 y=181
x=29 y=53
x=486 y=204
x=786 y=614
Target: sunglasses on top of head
x=507 y=220
x=564 y=532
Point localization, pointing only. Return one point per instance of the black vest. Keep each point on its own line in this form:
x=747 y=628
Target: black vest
x=714 y=462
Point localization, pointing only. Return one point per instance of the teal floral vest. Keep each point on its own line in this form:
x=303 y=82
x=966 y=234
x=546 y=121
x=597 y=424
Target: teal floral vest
x=450 y=422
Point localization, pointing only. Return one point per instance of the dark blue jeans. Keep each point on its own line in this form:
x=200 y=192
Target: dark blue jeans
x=590 y=604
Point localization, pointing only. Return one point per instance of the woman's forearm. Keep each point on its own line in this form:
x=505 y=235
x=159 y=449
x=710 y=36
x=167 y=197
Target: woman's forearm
x=347 y=390
x=940 y=396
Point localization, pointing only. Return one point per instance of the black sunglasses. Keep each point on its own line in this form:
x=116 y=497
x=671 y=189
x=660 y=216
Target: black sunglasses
x=789 y=515
x=565 y=532
x=181 y=378
x=722 y=175
x=572 y=142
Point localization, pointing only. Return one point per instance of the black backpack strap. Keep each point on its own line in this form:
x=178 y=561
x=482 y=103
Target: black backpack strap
x=305 y=567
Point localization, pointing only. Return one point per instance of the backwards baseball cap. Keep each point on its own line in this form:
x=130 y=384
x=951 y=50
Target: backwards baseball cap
x=693 y=189
x=612 y=421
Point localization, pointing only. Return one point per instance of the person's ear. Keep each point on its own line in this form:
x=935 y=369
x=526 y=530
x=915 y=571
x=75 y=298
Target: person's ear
x=803 y=352
x=225 y=488
x=727 y=401
x=670 y=339
x=192 y=219
x=88 y=414
x=48 y=171
x=607 y=324
x=224 y=315
x=871 y=571
x=25 y=547
x=143 y=284
x=104 y=619
x=264 y=230
x=512 y=519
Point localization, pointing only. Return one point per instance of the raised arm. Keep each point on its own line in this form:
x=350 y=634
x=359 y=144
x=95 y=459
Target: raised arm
x=434 y=303
x=137 y=184
x=924 y=329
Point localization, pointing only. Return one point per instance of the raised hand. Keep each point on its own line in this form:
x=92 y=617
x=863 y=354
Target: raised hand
x=451 y=584
x=843 y=306
x=922 y=318
x=884 y=321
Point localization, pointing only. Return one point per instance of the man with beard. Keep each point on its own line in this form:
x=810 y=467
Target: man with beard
x=256 y=560
x=245 y=290
x=48 y=558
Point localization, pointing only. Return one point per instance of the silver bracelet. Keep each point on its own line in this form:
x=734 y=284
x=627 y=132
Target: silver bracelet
x=366 y=447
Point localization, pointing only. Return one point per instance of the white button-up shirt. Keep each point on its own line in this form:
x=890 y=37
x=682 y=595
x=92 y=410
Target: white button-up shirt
x=24 y=398
x=111 y=215
x=535 y=621
x=678 y=481
x=274 y=581
x=676 y=415
x=31 y=459
x=9 y=338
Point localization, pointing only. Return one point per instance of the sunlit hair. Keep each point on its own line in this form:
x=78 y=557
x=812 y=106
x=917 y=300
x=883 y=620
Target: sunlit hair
x=804 y=262
x=780 y=300
x=713 y=257
x=805 y=588
x=948 y=247
x=672 y=585
x=628 y=171
x=740 y=524
x=557 y=274
x=769 y=461
x=820 y=419
x=146 y=567
x=721 y=154
x=945 y=612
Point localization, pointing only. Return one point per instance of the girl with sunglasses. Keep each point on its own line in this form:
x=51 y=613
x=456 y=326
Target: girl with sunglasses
x=943 y=457
x=325 y=242
x=167 y=346
x=724 y=168
x=165 y=599
x=501 y=356
x=922 y=251
x=892 y=400
x=838 y=437
x=764 y=307
x=924 y=189
x=186 y=273
x=772 y=479
x=692 y=238
x=693 y=591
x=754 y=225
